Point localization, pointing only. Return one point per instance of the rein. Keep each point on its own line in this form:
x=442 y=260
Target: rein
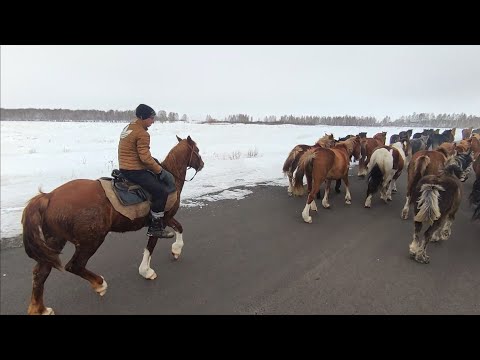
x=188 y=167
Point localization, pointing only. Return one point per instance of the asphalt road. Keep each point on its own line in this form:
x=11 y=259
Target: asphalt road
x=257 y=256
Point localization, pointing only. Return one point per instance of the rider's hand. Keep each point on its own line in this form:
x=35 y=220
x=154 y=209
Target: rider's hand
x=166 y=177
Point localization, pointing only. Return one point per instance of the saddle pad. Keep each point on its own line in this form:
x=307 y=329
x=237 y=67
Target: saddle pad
x=132 y=211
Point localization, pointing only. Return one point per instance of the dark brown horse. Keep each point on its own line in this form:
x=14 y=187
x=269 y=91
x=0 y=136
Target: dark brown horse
x=439 y=198
x=324 y=164
x=80 y=212
x=475 y=199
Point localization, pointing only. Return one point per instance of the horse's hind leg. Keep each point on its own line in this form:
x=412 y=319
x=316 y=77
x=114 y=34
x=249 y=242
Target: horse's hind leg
x=316 y=183
x=79 y=260
x=446 y=230
x=421 y=255
x=415 y=245
x=348 y=196
x=40 y=274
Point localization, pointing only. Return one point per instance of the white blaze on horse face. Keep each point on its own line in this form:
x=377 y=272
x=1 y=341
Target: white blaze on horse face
x=177 y=245
x=144 y=269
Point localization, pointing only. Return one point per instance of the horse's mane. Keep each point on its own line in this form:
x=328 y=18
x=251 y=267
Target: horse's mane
x=444 y=149
x=324 y=140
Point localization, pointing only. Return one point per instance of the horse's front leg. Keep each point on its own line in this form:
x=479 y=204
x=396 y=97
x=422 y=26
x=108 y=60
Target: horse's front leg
x=290 y=183
x=178 y=244
x=145 y=270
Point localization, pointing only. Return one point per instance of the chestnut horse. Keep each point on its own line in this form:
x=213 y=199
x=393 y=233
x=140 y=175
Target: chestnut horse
x=324 y=164
x=425 y=162
x=291 y=163
x=367 y=147
x=439 y=198
x=384 y=168
x=80 y=212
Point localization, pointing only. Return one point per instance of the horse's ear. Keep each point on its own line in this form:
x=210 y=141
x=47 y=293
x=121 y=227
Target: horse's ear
x=179 y=139
x=189 y=139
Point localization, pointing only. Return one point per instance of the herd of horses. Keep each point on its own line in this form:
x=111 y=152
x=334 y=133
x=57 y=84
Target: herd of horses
x=435 y=164
x=81 y=213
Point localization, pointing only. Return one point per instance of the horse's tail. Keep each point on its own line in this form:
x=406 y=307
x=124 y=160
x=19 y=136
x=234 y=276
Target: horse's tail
x=363 y=149
x=33 y=237
x=290 y=163
x=381 y=163
x=305 y=165
x=375 y=178
x=475 y=199
x=429 y=210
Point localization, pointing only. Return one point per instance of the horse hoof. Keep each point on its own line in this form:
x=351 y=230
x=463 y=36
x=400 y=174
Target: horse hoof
x=367 y=206
x=48 y=311
x=348 y=202
x=308 y=220
x=148 y=274
x=425 y=259
x=102 y=289
x=175 y=256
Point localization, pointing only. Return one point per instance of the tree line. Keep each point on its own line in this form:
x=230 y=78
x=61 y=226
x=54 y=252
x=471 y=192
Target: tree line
x=415 y=120
x=80 y=115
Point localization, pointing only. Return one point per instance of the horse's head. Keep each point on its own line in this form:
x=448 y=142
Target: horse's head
x=327 y=141
x=190 y=147
x=467 y=133
x=382 y=137
x=353 y=147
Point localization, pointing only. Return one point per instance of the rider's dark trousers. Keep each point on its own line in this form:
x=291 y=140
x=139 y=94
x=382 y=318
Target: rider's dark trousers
x=149 y=182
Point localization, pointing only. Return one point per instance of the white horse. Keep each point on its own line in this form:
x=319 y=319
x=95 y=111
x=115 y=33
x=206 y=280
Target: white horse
x=384 y=168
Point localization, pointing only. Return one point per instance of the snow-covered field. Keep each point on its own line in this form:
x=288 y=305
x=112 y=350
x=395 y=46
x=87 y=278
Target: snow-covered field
x=48 y=154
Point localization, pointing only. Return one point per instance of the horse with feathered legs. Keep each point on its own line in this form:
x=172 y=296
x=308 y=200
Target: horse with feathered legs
x=80 y=212
x=439 y=198
x=324 y=164
x=291 y=163
x=475 y=199
x=385 y=166
x=425 y=162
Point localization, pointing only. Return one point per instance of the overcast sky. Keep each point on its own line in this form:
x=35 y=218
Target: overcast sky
x=256 y=80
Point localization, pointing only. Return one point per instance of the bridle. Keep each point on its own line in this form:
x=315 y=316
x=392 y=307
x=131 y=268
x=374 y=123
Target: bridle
x=188 y=166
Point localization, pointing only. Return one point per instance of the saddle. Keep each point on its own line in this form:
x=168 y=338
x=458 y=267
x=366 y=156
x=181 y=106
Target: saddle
x=128 y=193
